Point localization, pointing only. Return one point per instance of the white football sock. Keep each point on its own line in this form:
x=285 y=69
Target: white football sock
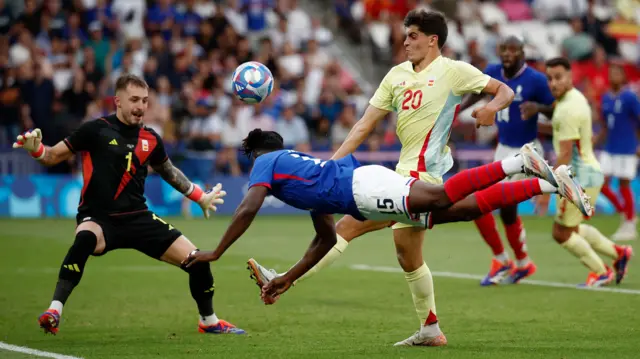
x=512 y=165
x=209 y=319
x=57 y=305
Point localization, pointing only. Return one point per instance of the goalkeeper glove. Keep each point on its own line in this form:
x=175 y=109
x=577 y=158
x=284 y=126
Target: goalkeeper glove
x=32 y=142
x=207 y=200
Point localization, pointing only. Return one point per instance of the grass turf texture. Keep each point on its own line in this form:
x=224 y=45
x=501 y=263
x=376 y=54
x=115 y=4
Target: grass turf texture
x=130 y=306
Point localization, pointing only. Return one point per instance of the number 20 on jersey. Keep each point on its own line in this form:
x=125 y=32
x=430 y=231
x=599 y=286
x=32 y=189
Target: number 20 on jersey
x=412 y=99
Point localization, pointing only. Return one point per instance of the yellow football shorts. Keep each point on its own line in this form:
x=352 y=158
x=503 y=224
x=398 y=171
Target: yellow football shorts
x=568 y=215
x=424 y=176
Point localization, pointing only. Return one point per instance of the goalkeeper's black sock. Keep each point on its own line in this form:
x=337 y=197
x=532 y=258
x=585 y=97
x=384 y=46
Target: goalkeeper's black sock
x=73 y=265
x=201 y=285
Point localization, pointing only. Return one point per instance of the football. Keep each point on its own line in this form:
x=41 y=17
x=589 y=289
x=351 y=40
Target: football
x=252 y=82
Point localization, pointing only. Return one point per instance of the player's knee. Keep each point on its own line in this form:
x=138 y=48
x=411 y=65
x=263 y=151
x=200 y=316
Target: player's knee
x=198 y=268
x=441 y=199
x=625 y=183
x=349 y=228
x=560 y=233
x=87 y=241
x=509 y=215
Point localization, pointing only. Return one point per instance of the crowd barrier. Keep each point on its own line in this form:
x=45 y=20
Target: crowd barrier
x=37 y=196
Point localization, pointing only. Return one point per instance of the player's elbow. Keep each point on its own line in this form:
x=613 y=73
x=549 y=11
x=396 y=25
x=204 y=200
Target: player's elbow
x=507 y=91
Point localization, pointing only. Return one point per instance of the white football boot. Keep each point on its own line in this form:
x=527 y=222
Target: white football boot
x=260 y=274
x=569 y=188
x=422 y=340
x=535 y=164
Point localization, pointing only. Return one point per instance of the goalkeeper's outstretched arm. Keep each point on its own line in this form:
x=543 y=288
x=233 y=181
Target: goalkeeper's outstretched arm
x=31 y=141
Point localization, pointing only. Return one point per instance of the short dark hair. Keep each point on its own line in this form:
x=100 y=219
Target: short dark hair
x=129 y=79
x=429 y=23
x=559 y=61
x=262 y=141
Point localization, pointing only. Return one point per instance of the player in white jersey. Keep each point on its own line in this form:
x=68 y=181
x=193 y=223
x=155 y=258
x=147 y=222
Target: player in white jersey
x=425 y=92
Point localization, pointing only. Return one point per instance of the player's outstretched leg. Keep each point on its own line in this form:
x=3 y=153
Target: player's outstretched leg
x=466 y=182
x=71 y=271
x=508 y=194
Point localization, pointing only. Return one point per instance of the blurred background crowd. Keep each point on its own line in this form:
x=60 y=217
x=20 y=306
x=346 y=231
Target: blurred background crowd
x=59 y=60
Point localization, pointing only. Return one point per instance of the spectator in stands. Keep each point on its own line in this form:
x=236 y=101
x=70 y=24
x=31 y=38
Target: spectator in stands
x=6 y=18
x=580 y=45
x=596 y=28
x=99 y=44
x=234 y=129
x=293 y=130
x=340 y=129
x=321 y=136
x=10 y=100
x=261 y=119
x=330 y=106
x=76 y=98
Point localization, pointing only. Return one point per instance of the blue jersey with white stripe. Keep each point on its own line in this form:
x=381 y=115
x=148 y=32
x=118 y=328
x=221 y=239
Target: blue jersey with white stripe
x=621 y=112
x=308 y=183
x=528 y=85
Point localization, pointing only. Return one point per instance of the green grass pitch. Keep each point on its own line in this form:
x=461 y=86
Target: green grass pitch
x=129 y=306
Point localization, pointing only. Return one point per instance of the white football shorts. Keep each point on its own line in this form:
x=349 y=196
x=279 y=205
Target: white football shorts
x=619 y=166
x=383 y=195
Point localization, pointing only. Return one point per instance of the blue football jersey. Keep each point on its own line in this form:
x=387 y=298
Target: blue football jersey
x=622 y=113
x=528 y=85
x=308 y=183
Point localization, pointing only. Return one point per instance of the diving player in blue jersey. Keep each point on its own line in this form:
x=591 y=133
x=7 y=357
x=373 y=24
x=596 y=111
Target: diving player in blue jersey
x=377 y=193
x=514 y=131
x=621 y=116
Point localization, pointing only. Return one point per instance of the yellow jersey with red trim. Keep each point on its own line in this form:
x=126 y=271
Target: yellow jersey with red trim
x=572 y=121
x=427 y=103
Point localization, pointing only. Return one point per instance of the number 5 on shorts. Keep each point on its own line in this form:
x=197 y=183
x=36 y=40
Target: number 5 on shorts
x=386 y=206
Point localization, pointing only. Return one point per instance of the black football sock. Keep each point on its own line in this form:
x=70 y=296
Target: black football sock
x=73 y=265
x=201 y=285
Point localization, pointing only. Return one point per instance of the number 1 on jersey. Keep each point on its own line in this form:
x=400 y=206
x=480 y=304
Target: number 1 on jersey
x=129 y=156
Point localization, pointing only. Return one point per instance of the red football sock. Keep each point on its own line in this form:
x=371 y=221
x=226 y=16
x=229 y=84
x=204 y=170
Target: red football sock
x=474 y=179
x=487 y=228
x=612 y=197
x=627 y=196
x=514 y=231
x=507 y=194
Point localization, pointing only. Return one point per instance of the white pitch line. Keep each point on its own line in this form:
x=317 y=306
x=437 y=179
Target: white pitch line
x=34 y=352
x=542 y=283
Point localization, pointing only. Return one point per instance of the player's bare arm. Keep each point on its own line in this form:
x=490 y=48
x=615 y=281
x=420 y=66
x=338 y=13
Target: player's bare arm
x=324 y=240
x=471 y=100
x=31 y=141
x=207 y=200
x=528 y=109
x=502 y=97
x=242 y=219
x=173 y=176
x=360 y=131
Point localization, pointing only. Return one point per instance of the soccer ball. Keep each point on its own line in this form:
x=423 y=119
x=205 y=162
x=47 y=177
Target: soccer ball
x=252 y=82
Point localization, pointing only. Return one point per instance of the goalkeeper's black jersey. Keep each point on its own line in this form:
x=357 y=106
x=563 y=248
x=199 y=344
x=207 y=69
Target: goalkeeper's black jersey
x=114 y=164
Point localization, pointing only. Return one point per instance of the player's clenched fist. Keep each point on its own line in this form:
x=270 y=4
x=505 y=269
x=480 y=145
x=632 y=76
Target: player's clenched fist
x=207 y=199
x=485 y=116
x=32 y=142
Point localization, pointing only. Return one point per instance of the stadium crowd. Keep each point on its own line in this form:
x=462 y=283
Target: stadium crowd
x=59 y=60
